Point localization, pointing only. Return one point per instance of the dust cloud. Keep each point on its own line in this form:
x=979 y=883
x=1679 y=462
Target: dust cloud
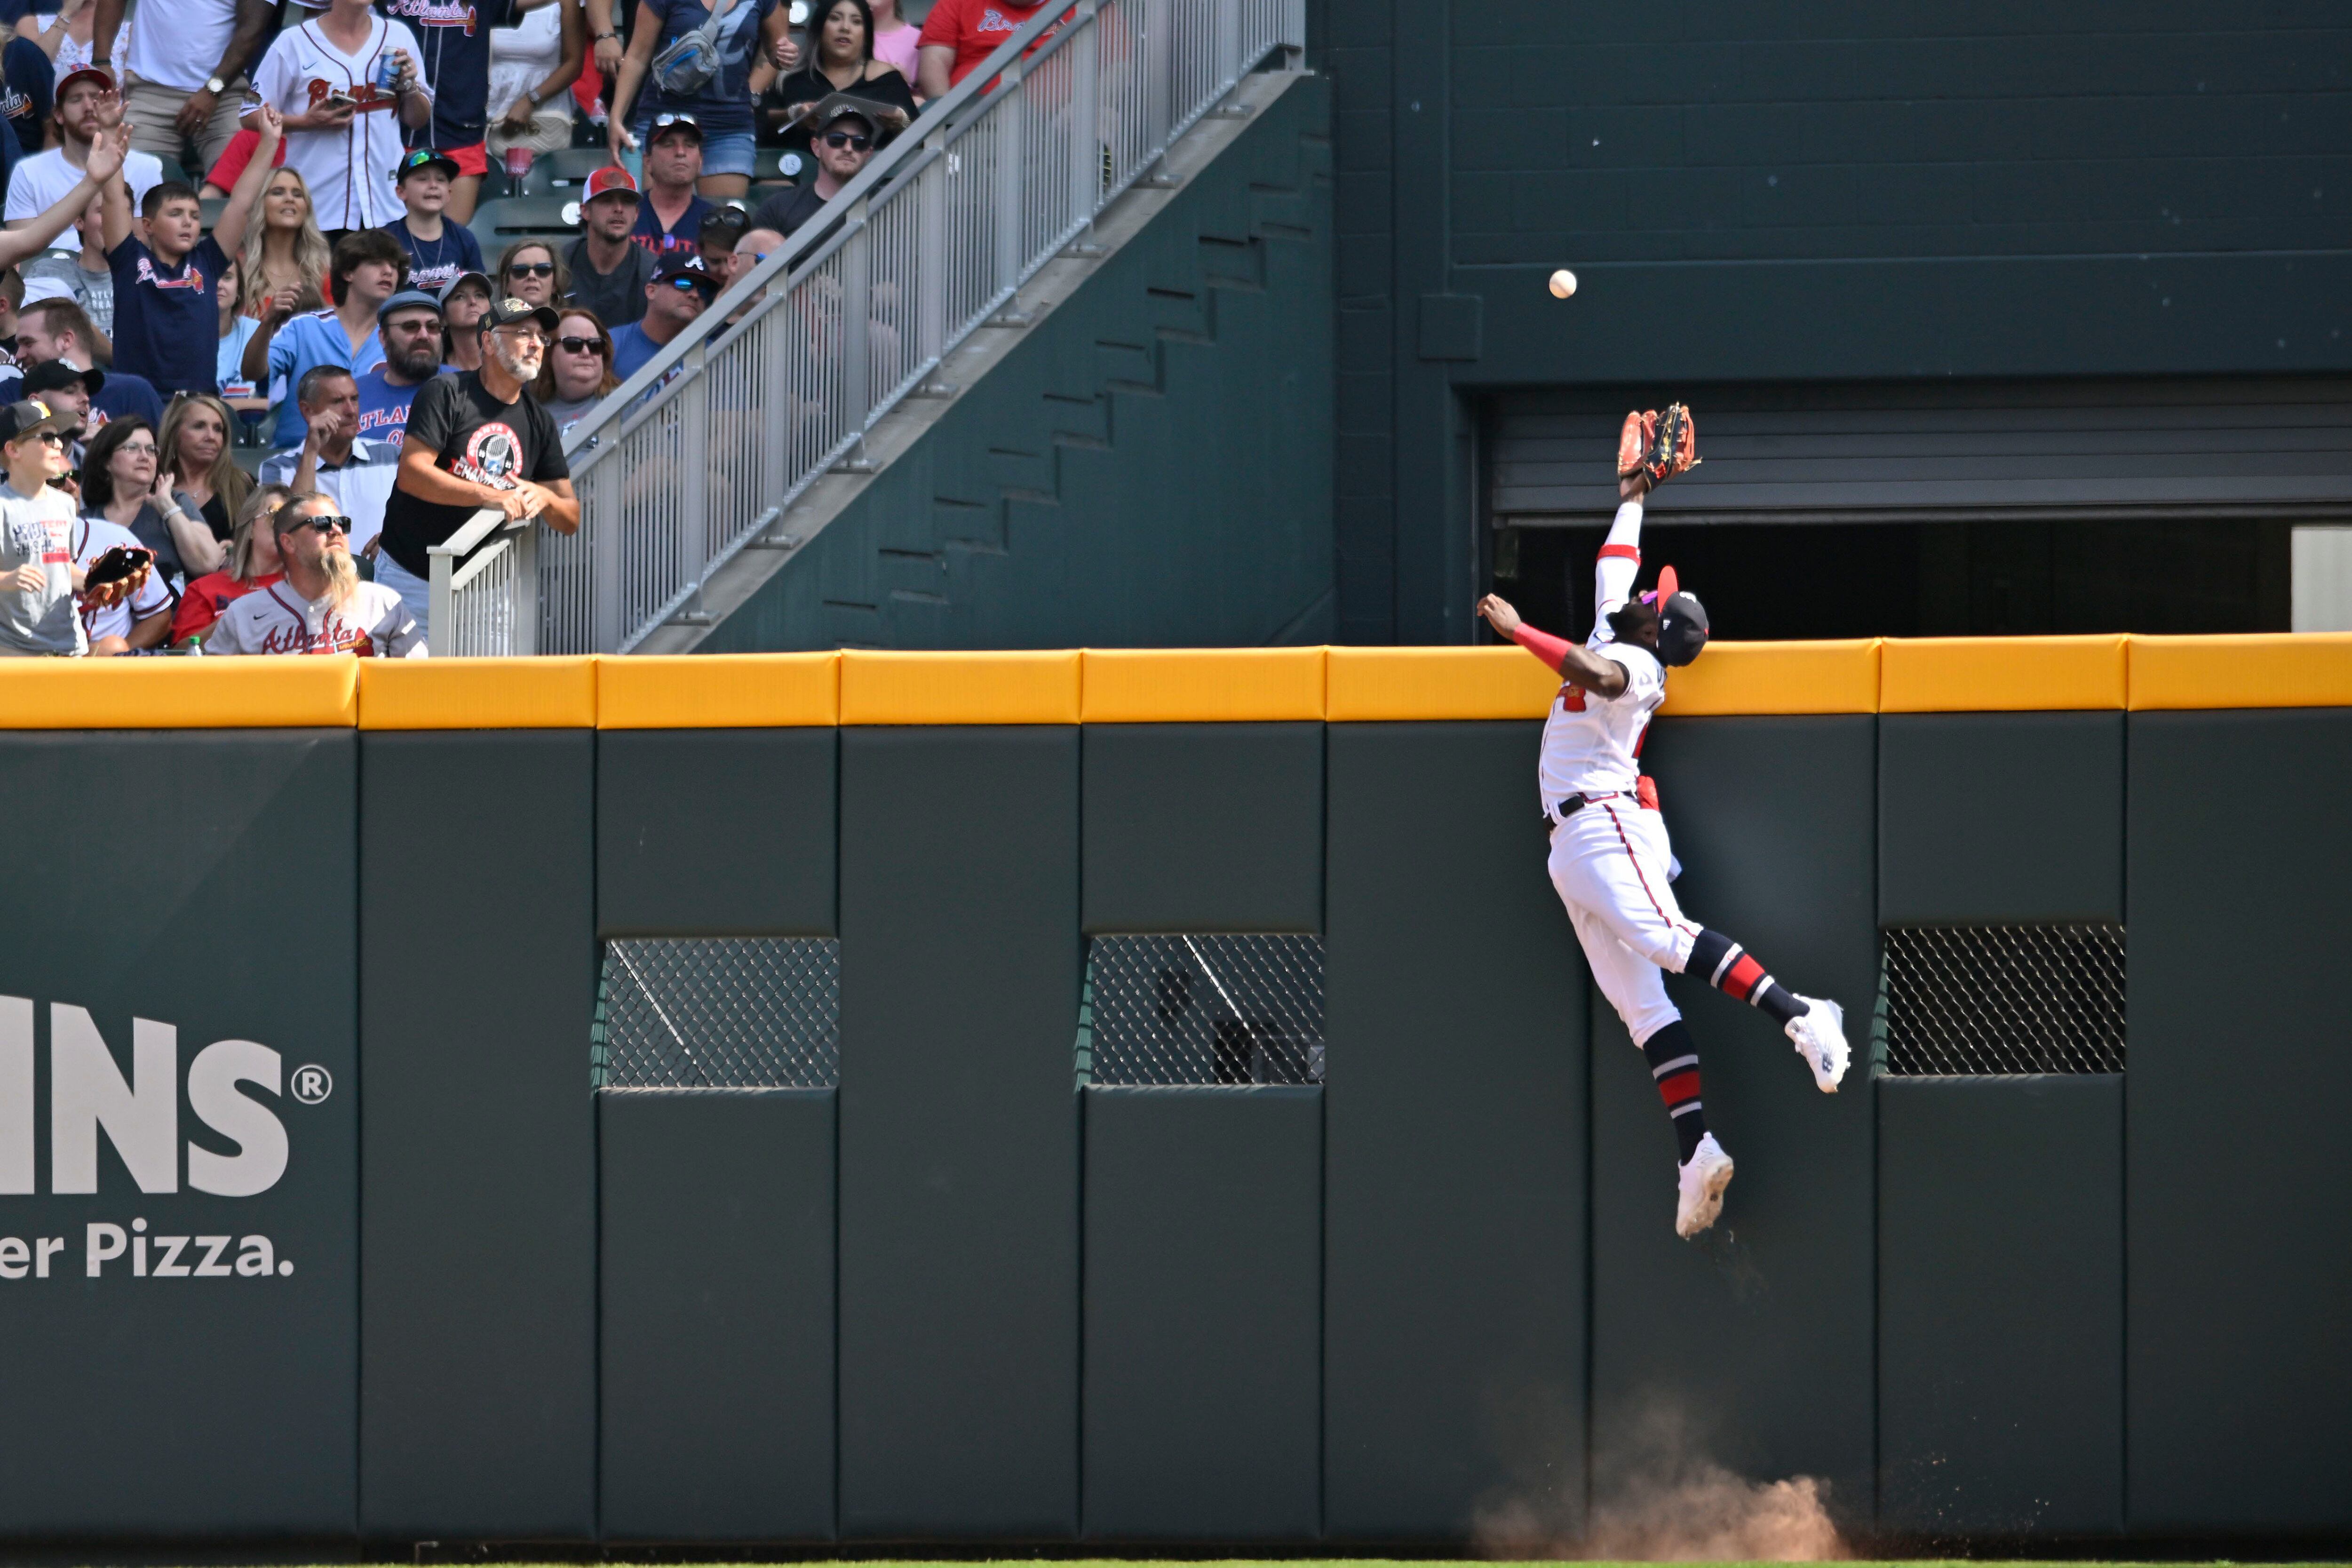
x=1659 y=1496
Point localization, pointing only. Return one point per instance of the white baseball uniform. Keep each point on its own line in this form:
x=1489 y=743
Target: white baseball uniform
x=93 y=537
x=348 y=170
x=1612 y=862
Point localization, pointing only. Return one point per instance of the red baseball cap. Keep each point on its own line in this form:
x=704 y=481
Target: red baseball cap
x=610 y=180
x=103 y=79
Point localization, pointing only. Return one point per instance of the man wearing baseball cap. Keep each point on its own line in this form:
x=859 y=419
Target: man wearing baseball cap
x=670 y=214
x=39 y=181
x=681 y=288
x=410 y=329
x=477 y=439
x=609 y=269
x=437 y=249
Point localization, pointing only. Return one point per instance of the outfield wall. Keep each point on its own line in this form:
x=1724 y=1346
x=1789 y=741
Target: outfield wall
x=461 y=1297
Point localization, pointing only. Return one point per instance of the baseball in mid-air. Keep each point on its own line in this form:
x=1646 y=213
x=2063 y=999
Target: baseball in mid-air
x=1563 y=284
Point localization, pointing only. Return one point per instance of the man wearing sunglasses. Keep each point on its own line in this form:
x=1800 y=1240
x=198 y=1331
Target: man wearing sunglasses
x=681 y=289
x=844 y=136
x=477 y=439
x=409 y=327
x=321 y=605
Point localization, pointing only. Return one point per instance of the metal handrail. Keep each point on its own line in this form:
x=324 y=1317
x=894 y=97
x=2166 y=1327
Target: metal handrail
x=699 y=453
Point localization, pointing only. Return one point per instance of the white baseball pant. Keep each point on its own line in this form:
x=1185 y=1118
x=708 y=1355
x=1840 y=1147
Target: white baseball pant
x=1609 y=864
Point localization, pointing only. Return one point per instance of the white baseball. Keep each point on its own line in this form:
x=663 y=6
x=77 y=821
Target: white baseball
x=1563 y=284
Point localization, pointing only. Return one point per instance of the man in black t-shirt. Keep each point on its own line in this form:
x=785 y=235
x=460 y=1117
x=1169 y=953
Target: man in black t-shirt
x=477 y=439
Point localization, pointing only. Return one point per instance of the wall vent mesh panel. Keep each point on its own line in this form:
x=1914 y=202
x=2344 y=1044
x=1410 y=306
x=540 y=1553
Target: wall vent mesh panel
x=1202 y=1010
x=718 y=1012
x=1957 y=1000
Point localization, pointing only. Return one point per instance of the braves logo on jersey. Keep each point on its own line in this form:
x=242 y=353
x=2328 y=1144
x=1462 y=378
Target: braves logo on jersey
x=363 y=98
x=459 y=13
x=193 y=278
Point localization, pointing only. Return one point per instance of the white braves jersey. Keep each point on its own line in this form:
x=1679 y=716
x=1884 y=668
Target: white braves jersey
x=348 y=170
x=1593 y=745
x=373 y=624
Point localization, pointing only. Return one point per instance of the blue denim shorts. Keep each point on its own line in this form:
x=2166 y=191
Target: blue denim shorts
x=725 y=153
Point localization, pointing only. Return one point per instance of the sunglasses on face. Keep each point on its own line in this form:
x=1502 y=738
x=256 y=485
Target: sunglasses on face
x=580 y=345
x=53 y=438
x=849 y=138
x=323 y=525
x=683 y=284
x=531 y=269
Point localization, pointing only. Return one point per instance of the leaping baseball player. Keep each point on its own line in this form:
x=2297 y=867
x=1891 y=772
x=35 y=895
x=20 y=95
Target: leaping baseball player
x=1610 y=860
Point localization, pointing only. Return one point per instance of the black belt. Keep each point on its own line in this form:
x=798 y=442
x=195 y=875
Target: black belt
x=1574 y=804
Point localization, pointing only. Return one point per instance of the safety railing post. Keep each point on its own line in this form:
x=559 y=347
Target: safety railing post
x=1010 y=115
x=1086 y=117
x=694 y=467
x=1229 y=43
x=856 y=320
x=931 y=259
x=1158 y=78
x=523 y=638
x=441 y=628
x=604 y=629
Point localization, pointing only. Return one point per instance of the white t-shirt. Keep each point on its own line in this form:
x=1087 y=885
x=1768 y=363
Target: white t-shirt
x=38 y=531
x=372 y=624
x=348 y=170
x=93 y=537
x=44 y=179
x=361 y=487
x=180 y=42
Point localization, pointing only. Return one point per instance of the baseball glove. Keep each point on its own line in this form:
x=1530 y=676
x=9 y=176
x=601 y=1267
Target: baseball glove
x=1658 y=444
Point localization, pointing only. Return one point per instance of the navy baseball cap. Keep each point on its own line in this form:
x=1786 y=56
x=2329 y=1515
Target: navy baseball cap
x=424 y=158
x=409 y=298
x=685 y=266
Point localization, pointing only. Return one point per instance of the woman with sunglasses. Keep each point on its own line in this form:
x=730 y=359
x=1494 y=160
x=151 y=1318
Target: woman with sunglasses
x=579 y=368
x=841 y=59
x=530 y=270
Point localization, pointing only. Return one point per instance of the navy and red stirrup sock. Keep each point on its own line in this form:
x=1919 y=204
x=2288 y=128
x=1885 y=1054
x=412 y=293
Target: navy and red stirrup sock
x=1733 y=970
x=1673 y=1063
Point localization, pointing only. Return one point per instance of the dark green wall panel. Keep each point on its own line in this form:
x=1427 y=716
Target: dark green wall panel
x=715 y=832
x=1757 y=1337
x=717 y=1333
x=960 y=960
x=1203 y=827
x=1999 y=817
x=1455 y=1114
x=1204 y=1417
x=201 y=881
x=2239 y=1389
x=478 y=1398
x=2001 y=1306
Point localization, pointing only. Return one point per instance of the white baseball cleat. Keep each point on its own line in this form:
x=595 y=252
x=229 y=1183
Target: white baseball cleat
x=1701 y=1181
x=1819 y=1035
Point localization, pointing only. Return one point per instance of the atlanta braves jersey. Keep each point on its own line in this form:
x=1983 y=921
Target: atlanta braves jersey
x=1593 y=745
x=348 y=170
x=373 y=623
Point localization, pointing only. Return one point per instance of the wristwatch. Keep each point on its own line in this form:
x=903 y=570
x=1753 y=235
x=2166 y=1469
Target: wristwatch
x=214 y=86
x=536 y=102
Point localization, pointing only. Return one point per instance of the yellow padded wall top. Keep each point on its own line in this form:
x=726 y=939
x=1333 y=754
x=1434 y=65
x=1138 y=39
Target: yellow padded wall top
x=1173 y=686
x=1404 y=683
x=717 y=691
x=179 y=694
x=879 y=688
x=1981 y=675
x=546 y=693
x=1776 y=677
x=2281 y=670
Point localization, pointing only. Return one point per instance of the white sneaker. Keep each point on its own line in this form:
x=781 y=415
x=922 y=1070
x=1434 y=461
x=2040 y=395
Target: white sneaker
x=1701 y=1181
x=1819 y=1035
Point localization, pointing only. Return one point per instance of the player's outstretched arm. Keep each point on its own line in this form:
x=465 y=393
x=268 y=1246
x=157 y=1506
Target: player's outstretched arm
x=1603 y=677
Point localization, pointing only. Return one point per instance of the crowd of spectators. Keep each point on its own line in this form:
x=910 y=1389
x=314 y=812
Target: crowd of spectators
x=220 y=220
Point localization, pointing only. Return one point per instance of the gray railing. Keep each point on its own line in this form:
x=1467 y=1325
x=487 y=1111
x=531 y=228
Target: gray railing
x=699 y=454
x=488 y=604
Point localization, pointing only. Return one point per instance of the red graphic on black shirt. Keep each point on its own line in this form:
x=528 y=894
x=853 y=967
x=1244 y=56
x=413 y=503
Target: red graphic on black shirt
x=493 y=455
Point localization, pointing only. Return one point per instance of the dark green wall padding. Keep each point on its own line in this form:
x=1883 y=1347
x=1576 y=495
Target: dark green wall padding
x=2019 y=1308
x=478 y=1237
x=2239 y=1388
x=1455 y=1189
x=1204 y=1404
x=2001 y=1306
x=204 y=881
x=1755 y=1344
x=959 y=1220
x=1148 y=468
x=717 y=1332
